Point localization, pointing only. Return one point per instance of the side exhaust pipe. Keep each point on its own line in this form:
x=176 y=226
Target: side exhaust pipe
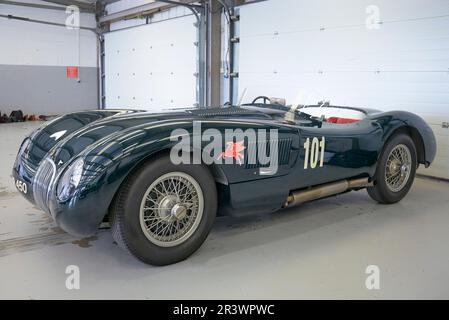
x=315 y=193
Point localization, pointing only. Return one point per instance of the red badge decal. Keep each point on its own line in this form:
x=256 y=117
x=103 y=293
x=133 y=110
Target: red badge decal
x=234 y=150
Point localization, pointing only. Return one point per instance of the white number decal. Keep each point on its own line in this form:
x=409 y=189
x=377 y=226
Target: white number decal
x=21 y=186
x=314 y=152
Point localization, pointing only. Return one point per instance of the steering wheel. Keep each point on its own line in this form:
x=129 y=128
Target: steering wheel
x=265 y=100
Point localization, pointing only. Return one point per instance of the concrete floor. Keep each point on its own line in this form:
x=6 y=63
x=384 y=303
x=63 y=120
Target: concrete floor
x=318 y=250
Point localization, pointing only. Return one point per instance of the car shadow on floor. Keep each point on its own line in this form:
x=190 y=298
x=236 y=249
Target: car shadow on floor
x=355 y=211
x=231 y=234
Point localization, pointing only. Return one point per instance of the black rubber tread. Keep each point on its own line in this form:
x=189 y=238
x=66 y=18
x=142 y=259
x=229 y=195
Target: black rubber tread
x=380 y=191
x=123 y=213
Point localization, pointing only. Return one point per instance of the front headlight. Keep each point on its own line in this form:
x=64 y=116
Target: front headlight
x=25 y=144
x=70 y=180
x=24 y=148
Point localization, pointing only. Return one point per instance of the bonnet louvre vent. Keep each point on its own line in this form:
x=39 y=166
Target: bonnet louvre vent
x=221 y=112
x=283 y=148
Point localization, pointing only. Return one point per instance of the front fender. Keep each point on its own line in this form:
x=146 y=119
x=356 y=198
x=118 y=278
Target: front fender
x=111 y=160
x=106 y=168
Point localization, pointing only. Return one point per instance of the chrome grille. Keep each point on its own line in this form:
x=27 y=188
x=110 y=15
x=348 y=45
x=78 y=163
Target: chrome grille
x=43 y=182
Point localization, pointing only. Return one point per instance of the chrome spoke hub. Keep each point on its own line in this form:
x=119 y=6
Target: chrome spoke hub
x=171 y=209
x=398 y=168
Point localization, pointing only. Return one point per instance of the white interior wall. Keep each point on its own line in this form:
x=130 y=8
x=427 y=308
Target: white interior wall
x=307 y=51
x=151 y=66
x=171 y=13
x=33 y=61
x=24 y=43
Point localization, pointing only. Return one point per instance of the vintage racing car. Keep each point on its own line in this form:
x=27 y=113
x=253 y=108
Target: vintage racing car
x=118 y=165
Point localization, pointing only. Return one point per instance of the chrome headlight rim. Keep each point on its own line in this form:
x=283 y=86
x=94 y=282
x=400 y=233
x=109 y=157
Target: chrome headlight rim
x=23 y=148
x=25 y=144
x=69 y=180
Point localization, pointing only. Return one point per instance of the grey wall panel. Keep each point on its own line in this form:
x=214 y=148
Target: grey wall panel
x=46 y=89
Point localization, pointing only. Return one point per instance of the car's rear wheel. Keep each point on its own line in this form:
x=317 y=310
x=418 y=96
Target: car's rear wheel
x=396 y=170
x=164 y=212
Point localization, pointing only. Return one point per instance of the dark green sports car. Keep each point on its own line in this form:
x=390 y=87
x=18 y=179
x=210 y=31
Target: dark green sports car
x=161 y=179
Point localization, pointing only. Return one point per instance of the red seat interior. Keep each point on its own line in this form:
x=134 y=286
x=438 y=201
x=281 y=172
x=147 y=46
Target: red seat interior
x=339 y=120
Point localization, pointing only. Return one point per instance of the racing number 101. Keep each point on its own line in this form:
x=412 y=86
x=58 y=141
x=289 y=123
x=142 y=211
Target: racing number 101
x=314 y=152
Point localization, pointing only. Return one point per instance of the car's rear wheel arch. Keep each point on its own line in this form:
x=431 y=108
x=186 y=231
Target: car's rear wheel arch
x=414 y=134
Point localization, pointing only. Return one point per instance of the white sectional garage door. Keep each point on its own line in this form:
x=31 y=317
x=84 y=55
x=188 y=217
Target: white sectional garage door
x=391 y=56
x=152 y=67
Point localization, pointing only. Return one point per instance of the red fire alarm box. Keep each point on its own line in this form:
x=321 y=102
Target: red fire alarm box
x=72 y=72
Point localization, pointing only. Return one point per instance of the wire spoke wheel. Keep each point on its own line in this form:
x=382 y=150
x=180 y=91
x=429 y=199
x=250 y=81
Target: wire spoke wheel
x=171 y=209
x=398 y=168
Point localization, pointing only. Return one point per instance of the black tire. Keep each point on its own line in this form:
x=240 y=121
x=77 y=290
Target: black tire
x=381 y=191
x=126 y=226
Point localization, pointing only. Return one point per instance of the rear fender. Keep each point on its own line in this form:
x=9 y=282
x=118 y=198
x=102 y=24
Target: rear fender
x=416 y=127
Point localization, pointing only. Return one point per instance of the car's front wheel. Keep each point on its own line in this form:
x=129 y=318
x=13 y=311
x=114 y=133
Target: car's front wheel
x=396 y=170
x=163 y=213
